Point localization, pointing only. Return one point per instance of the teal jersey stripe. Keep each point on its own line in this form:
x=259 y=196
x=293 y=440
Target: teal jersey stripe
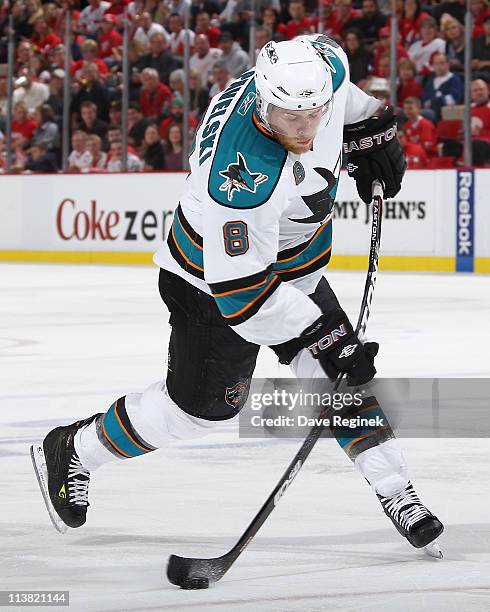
x=190 y=250
x=358 y=432
x=230 y=304
x=118 y=436
x=321 y=243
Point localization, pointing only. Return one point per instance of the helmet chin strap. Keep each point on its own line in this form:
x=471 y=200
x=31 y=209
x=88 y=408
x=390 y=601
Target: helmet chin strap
x=263 y=124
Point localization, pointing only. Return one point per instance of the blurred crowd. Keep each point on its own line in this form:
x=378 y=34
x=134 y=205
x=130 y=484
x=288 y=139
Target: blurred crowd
x=430 y=69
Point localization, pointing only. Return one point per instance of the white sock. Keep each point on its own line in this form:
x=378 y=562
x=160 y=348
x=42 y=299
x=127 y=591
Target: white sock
x=91 y=452
x=384 y=467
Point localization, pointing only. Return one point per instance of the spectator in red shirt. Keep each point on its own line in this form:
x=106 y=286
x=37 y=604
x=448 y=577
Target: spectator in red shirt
x=155 y=97
x=299 y=23
x=52 y=14
x=58 y=23
x=117 y=7
x=43 y=37
x=89 y=56
x=346 y=15
x=331 y=25
x=108 y=37
x=479 y=10
x=480 y=111
x=415 y=153
x=23 y=125
x=176 y=117
x=203 y=26
x=480 y=122
x=383 y=46
x=418 y=129
x=411 y=22
x=408 y=86
x=480 y=127
x=384 y=66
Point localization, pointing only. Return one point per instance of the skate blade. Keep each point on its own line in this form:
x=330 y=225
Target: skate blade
x=433 y=550
x=39 y=464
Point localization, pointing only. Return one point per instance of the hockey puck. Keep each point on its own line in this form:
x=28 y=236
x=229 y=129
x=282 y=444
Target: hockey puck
x=194 y=584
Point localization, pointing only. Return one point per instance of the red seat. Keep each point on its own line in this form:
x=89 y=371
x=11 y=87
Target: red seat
x=440 y=163
x=449 y=129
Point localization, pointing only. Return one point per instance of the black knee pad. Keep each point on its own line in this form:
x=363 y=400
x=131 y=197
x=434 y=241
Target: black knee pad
x=209 y=365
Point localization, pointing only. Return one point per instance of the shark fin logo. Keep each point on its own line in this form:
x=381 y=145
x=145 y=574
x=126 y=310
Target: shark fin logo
x=321 y=202
x=238 y=177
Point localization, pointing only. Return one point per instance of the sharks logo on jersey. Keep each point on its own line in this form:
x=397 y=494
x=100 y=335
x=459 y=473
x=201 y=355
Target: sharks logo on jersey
x=238 y=177
x=321 y=202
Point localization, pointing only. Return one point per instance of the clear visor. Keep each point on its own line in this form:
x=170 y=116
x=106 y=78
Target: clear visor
x=301 y=125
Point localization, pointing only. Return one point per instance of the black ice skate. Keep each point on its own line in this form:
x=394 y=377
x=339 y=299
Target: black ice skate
x=62 y=478
x=413 y=520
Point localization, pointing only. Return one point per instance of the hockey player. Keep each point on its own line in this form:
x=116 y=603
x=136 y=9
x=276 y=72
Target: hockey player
x=243 y=267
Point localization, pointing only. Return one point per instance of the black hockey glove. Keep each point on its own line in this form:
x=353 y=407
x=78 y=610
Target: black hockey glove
x=332 y=341
x=373 y=152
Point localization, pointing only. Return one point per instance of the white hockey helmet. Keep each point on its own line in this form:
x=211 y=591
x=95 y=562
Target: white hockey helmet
x=292 y=76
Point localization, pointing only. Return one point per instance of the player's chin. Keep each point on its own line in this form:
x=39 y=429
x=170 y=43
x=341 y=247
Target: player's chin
x=299 y=148
x=293 y=144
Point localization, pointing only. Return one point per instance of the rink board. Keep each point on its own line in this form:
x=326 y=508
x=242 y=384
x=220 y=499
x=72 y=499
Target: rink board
x=440 y=220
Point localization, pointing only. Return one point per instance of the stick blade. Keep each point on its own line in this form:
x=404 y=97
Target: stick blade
x=180 y=569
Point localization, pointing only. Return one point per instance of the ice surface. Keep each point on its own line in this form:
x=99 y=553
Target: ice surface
x=74 y=338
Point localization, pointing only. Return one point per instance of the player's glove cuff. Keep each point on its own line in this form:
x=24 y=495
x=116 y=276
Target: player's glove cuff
x=332 y=340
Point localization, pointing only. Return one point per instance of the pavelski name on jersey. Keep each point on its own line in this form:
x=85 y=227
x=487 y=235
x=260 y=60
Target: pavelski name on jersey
x=218 y=109
x=254 y=225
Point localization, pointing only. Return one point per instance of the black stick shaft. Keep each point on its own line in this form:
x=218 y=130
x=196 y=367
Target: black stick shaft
x=227 y=560
x=316 y=431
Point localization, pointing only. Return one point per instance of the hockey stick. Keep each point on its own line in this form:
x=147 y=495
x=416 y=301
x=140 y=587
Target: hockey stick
x=198 y=573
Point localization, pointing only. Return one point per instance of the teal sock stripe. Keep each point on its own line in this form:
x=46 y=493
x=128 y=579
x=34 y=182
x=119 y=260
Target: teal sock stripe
x=345 y=434
x=118 y=437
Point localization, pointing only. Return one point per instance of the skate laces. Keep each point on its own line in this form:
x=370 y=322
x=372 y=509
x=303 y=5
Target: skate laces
x=78 y=487
x=405 y=507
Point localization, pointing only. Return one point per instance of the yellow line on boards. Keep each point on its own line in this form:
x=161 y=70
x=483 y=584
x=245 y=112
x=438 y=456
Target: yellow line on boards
x=338 y=262
x=482 y=265
x=395 y=262
x=79 y=257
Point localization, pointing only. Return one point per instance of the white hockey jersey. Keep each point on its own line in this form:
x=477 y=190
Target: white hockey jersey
x=254 y=225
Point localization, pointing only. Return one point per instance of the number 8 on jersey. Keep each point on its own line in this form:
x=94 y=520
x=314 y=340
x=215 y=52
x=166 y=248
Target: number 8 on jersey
x=235 y=234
